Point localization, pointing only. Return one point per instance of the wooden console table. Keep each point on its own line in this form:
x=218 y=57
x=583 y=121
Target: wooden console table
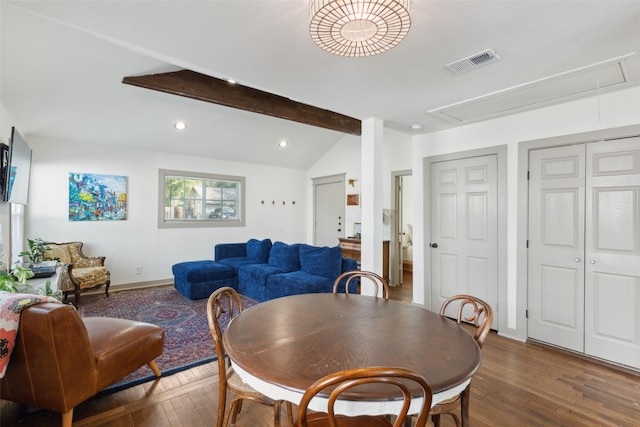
x=351 y=248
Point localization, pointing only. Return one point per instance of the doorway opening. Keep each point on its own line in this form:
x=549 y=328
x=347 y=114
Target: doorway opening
x=402 y=231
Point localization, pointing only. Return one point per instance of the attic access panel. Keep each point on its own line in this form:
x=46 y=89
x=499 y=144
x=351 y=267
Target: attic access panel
x=601 y=77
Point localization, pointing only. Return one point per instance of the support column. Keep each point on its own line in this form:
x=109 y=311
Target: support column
x=372 y=197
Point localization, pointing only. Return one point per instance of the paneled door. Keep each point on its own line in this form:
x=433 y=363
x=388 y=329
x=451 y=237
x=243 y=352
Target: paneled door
x=328 y=210
x=556 y=246
x=612 y=251
x=464 y=230
x=584 y=249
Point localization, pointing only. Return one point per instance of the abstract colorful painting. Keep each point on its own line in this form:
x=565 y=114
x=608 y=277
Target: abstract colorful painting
x=97 y=197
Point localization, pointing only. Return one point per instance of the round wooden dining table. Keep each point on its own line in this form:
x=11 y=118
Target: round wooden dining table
x=280 y=347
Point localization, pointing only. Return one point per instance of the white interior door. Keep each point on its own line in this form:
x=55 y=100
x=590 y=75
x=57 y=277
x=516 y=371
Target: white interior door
x=556 y=246
x=464 y=230
x=612 y=276
x=328 y=205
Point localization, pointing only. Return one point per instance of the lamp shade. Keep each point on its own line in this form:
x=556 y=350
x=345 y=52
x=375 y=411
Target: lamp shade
x=358 y=27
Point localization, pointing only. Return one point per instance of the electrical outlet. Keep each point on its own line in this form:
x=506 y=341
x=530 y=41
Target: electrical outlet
x=138 y=269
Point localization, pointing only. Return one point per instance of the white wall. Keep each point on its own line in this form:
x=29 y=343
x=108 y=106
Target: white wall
x=138 y=240
x=345 y=157
x=617 y=109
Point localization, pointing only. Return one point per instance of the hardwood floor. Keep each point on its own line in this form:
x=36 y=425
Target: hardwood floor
x=518 y=384
x=403 y=293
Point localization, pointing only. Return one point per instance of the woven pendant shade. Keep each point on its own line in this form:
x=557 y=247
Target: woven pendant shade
x=358 y=27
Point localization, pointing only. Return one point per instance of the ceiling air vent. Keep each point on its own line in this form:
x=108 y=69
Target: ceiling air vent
x=474 y=61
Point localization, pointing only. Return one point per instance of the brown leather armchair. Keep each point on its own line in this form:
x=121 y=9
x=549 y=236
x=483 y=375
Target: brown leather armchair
x=60 y=359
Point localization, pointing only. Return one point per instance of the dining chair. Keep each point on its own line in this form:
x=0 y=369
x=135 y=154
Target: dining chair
x=227 y=301
x=398 y=381
x=377 y=280
x=479 y=314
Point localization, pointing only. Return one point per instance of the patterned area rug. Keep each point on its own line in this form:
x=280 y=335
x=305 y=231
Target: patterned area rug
x=187 y=341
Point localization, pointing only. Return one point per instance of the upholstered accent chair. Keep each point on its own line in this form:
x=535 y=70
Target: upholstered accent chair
x=61 y=359
x=78 y=272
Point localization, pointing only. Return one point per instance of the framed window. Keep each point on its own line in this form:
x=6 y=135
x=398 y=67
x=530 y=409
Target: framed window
x=192 y=199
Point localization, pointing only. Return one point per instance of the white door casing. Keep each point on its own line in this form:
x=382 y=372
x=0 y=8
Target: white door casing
x=464 y=224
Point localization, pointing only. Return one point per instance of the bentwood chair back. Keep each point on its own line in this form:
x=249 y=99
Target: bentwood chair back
x=226 y=301
x=358 y=275
x=478 y=313
x=471 y=310
x=398 y=381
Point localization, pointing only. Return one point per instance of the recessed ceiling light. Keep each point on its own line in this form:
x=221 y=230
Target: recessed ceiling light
x=416 y=126
x=283 y=143
x=180 y=125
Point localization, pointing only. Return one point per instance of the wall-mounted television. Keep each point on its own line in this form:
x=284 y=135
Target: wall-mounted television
x=16 y=170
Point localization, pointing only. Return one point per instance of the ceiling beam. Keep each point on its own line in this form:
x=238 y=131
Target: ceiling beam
x=198 y=86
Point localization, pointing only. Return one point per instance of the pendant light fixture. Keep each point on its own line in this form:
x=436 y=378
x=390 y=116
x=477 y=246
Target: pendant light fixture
x=358 y=27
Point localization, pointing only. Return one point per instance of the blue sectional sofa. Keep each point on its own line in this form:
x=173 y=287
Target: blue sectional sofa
x=263 y=270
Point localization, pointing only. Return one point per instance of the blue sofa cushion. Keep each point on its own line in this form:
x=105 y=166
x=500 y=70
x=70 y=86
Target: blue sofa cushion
x=286 y=257
x=236 y=262
x=325 y=261
x=257 y=274
x=229 y=250
x=258 y=250
x=252 y=280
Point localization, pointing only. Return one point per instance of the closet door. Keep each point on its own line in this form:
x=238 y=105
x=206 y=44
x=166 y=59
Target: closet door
x=556 y=246
x=612 y=269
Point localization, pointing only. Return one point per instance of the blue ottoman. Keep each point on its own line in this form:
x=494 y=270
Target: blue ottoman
x=199 y=279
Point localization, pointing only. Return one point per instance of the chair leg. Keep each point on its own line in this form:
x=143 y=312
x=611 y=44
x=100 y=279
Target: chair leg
x=67 y=418
x=76 y=294
x=222 y=402
x=276 y=413
x=464 y=405
x=154 y=368
x=290 y=413
x=106 y=289
x=232 y=412
x=436 y=420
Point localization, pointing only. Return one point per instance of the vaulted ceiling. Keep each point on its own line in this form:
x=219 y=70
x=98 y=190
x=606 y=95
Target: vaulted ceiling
x=63 y=62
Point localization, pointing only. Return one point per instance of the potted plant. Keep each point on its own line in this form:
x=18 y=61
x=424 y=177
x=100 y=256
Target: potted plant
x=37 y=248
x=16 y=281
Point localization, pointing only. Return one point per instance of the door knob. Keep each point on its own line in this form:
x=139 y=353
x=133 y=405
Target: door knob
x=434 y=245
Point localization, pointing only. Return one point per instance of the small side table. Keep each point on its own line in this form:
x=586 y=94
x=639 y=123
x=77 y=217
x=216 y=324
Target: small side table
x=35 y=284
x=351 y=248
